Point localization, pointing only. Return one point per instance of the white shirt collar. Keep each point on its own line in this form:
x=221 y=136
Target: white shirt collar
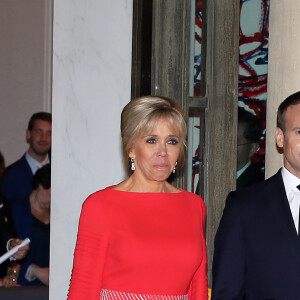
x=243 y=169
x=290 y=180
x=34 y=164
x=293 y=194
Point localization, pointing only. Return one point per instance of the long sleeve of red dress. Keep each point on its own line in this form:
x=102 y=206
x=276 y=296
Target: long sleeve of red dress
x=132 y=245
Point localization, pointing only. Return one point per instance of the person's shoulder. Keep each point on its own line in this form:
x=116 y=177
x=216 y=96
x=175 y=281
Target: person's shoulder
x=96 y=211
x=254 y=193
x=18 y=162
x=190 y=195
x=193 y=197
x=99 y=197
x=17 y=165
x=17 y=175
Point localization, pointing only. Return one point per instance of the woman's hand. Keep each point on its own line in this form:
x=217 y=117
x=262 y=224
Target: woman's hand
x=22 y=252
x=9 y=281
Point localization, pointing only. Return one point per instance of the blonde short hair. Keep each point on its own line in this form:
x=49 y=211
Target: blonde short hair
x=141 y=115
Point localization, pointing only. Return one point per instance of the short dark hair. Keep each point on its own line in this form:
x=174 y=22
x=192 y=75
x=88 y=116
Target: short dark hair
x=45 y=116
x=253 y=128
x=42 y=177
x=293 y=99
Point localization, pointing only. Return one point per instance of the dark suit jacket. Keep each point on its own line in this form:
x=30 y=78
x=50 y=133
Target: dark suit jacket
x=16 y=186
x=250 y=176
x=257 y=249
x=5 y=235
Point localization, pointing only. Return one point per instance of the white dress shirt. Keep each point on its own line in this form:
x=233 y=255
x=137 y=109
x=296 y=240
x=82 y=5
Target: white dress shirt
x=293 y=194
x=34 y=164
x=243 y=169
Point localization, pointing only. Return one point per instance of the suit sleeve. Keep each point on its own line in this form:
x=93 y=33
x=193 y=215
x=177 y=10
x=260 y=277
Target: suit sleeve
x=6 y=186
x=4 y=232
x=90 y=251
x=199 y=288
x=229 y=255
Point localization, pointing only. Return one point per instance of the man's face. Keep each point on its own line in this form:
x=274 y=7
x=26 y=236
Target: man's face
x=39 y=138
x=290 y=140
x=245 y=149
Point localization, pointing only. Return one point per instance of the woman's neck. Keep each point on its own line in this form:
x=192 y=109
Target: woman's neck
x=134 y=184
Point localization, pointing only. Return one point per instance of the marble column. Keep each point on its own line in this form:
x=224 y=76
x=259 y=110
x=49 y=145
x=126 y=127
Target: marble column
x=91 y=84
x=283 y=69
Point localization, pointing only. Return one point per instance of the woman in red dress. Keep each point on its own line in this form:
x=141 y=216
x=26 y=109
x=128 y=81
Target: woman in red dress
x=143 y=238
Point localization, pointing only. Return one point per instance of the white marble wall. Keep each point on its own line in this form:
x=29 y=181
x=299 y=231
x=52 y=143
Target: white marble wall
x=283 y=69
x=91 y=84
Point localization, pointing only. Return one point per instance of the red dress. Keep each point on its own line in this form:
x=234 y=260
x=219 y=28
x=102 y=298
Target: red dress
x=140 y=246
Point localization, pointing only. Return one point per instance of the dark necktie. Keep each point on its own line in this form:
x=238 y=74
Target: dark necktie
x=298 y=187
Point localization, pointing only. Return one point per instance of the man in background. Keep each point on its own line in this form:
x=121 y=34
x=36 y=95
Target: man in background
x=249 y=132
x=16 y=183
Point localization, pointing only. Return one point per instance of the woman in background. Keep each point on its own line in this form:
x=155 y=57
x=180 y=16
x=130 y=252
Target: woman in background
x=35 y=224
x=144 y=238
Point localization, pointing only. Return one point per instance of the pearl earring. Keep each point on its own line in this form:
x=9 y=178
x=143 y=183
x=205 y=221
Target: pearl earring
x=174 y=170
x=132 y=164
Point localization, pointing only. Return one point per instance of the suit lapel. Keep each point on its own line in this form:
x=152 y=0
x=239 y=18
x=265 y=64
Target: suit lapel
x=282 y=214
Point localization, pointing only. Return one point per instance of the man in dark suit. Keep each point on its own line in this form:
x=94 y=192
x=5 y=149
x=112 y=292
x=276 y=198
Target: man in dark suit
x=249 y=131
x=16 y=183
x=257 y=245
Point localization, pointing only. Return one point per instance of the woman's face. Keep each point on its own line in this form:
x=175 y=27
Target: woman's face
x=155 y=153
x=44 y=196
